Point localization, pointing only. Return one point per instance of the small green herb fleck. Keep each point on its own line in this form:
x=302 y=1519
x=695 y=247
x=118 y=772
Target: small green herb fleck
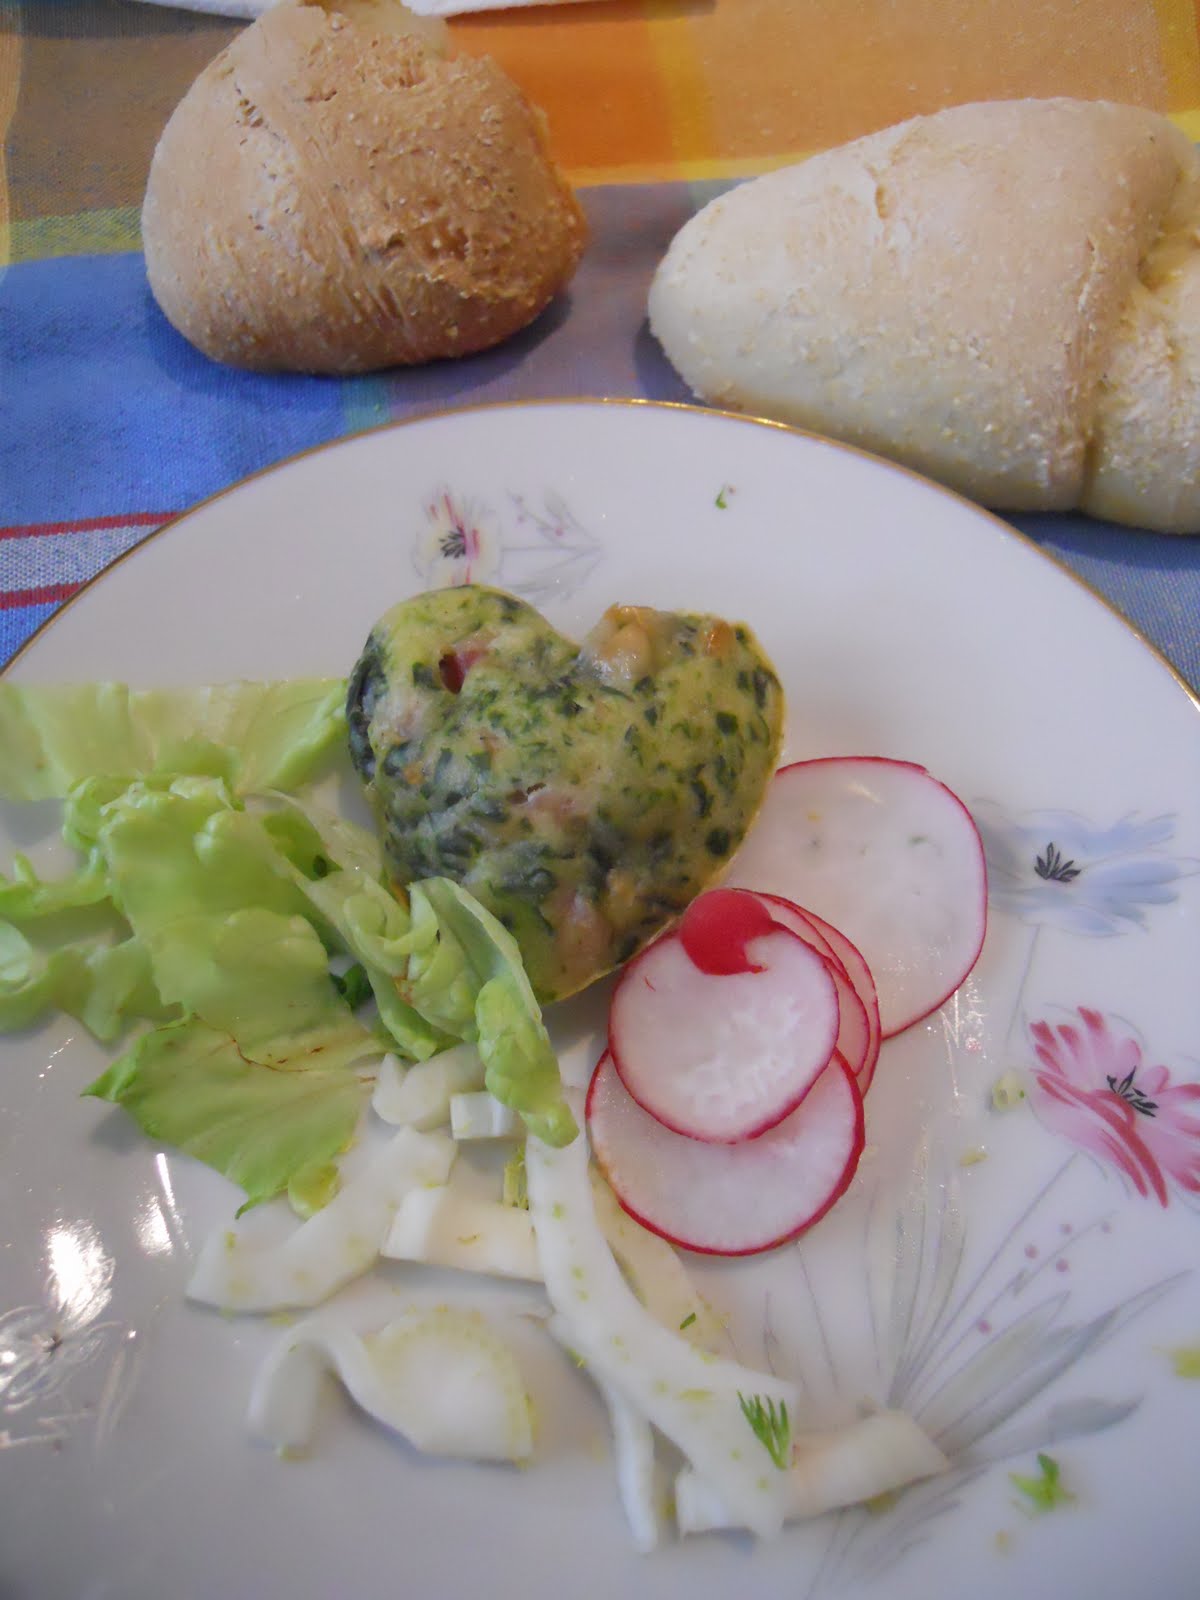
x=1185 y=1360
x=717 y=842
x=687 y=1321
x=516 y=1189
x=353 y=985
x=726 y=722
x=770 y=1426
x=1046 y=1491
x=704 y=800
x=422 y=676
x=722 y=500
x=1007 y=1091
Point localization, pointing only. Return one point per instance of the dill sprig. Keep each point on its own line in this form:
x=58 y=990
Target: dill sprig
x=770 y=1425
x=1045 y=1491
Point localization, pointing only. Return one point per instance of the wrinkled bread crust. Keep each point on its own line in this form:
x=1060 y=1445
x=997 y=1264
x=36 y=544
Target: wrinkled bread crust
x=333 y=195
x=1003 y=296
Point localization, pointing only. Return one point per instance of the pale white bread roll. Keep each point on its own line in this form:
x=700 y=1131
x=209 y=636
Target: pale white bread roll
x=335 y=193
x=1004 y=296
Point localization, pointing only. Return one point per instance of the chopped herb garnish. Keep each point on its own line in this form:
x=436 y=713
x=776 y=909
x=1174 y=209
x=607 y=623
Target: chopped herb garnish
x=353 y=985
x=770 y=1426
x=687 y=1321
x=1046 y=1491
x=1185 y=1359
x=516 y=1192
x=1007 y=1091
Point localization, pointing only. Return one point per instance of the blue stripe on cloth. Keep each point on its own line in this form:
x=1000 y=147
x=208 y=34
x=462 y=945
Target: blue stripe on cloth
x=106 y=409
x=1152 y=579
x=18 y=622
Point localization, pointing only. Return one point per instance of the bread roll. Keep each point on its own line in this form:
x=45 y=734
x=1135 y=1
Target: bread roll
x=335 y=194
x=1005 y=296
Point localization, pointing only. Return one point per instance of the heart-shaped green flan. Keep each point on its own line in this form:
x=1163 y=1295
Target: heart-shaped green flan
x=584 y=793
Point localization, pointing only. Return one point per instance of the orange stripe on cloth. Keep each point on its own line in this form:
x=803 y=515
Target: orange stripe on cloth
x=638 y=90
x=595 y=72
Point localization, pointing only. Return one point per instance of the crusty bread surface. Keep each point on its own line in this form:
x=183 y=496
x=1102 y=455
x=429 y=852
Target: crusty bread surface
x=336 y=195
x=1004 y=296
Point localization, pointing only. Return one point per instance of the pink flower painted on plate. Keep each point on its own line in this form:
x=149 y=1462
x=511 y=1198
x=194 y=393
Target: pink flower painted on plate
x=457 y=545
x=1092 y=1084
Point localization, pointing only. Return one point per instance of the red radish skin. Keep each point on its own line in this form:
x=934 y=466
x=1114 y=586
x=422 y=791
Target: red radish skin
x=888 y=855
x=859 y=1036
x=859 y=973
x=723 y=1057
x=717 y=927
x=728 y=1199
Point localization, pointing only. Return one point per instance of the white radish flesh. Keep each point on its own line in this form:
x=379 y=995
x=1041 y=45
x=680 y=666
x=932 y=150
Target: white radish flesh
x=889 y=856
x=723 y=1056
x=721 y=1199
x=856 y=969
x=858 y=1037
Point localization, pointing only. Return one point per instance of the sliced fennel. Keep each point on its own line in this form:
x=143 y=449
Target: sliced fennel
x=419 y=1096
x=690 y=1397
x=829 y=1470
x=637 y=1479
x=333 y=1246
x=442 y=1378
x=446 y=1227
x=657 y=1276
x=481 y=1116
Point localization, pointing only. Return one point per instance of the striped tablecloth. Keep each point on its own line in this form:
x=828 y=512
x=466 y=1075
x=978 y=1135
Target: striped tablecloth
x=110 y=423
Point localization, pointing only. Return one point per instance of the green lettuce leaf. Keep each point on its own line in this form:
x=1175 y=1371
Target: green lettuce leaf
x=442 y=968
x=263 y=1127
x=253 y=735
x=26 y=897
x=101 y=983
x=521 y=1069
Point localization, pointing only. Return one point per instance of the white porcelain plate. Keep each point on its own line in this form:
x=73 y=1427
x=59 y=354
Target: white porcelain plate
x=1021 y=1280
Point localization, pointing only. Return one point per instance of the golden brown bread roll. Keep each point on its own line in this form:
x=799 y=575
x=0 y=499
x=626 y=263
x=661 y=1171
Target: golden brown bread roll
x=335 y=194
x=1005 y=296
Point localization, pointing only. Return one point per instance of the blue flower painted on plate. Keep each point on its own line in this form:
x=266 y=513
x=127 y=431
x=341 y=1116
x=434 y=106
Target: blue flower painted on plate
x=1057 y=869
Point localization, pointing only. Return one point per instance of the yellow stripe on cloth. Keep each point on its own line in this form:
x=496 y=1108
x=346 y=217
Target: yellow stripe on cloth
x=87 y=233
x=10 y=82
x=684 y=82
x=1180 y=43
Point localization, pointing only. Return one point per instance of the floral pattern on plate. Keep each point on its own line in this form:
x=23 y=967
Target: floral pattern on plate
x=1092 y=1084
x=541 y=554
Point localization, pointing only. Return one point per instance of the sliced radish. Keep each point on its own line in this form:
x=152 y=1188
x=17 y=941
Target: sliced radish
x=859 y=973
x=888 y=855
x=728 y=1199
x=718 y=926
x=724 y=1056
x=858 y=1030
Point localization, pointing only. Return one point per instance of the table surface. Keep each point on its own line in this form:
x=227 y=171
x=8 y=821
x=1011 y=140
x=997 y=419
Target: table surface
x=110 y=423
